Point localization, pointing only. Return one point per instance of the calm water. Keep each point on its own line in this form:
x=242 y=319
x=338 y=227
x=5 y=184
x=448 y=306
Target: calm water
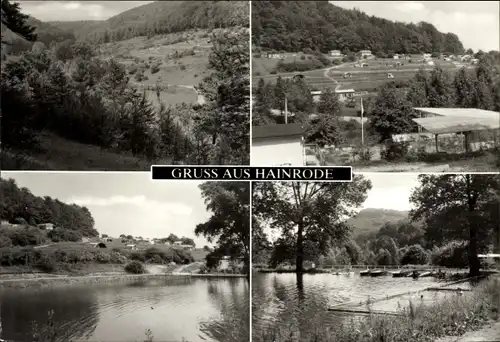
x=174 y=309
x=282 y=300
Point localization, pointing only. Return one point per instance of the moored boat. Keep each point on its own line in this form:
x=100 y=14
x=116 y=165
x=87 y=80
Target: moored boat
x=400 y=273
x=425 y=274
x=364 y=273
x=378 y=273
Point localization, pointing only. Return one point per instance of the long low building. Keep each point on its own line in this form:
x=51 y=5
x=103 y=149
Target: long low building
x=458 y=120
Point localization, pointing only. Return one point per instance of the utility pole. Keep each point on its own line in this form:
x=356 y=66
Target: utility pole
x=286 y=109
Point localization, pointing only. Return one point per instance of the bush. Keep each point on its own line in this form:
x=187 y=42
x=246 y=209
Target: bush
x=137 y=256
x=46 y=263
x=26 y=237
x=5 y=241
x=60 y=234
x=183 y=67
x=395 y=151
x=303 y=57
x=132 y=69
x=453 y=254
x=155 y=68
x=414 y=255
x=135 y=267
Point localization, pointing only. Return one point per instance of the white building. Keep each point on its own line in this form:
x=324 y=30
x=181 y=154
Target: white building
x=46 y=226
x=335 y=53
x=365 y=53
x=275 y=145
x=343 y=94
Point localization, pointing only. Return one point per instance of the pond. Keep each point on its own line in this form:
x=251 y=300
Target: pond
x=282 y=302
x=174 y=309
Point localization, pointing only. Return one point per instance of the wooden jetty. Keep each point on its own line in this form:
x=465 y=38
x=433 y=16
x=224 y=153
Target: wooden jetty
x=364 y=312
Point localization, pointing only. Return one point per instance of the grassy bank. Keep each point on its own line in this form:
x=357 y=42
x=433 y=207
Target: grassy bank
x=417 y=323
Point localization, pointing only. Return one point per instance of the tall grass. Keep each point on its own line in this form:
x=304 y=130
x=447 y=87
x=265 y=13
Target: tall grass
x=416 y=323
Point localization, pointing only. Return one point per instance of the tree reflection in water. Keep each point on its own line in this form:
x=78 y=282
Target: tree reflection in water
x=74 y=316
x=232 y=298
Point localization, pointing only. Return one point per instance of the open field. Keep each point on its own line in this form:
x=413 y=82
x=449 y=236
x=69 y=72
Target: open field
x=367 y=78
x=263 y=65
x=182 y=60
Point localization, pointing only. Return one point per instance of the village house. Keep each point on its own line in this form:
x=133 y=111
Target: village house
x=46 y=226
x=335 y=53
x=278 y=144
x=275 y=56
x=344 y=94
x=131 y=247
x=366 y=54
x=395 y=57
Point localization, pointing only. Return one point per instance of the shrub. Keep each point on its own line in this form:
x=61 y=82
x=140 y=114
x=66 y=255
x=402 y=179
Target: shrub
x=137 y=256
x=135 y=267
x=132 y=69
x=303 y=57
x=155 y=68
x=5 y=241
x=453 y=254
x=414 y=255
x=183 y=67
x=26 y=237
x=60 y=234
x=395 y=151
x=46 y=262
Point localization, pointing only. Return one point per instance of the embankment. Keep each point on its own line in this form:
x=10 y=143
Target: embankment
x=50 y=280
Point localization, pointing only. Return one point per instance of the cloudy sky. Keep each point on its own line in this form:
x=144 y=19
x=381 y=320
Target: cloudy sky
x=77 y=10
x=476 y=23
x=125 y=203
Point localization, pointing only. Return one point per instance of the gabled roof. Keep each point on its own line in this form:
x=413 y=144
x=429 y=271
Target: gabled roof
x=277 y=130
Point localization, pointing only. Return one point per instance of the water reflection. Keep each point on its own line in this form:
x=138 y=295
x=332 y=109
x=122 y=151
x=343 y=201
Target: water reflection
x=173 y=309
x=290 y=305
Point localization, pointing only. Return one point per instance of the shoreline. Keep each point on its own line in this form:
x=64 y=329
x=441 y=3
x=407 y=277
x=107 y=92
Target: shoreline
x=47 y=280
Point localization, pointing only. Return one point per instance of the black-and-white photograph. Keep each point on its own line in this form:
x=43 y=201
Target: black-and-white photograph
x=388 y=257
x=384 y=86
x=116 y=257
x=122 y=85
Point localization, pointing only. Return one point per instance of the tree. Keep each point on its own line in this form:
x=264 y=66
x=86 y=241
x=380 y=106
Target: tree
x=458 y=207
x=392 y=113
x=323 y=130
x=440 y=92
x=229 y=225
x=225 y=119
x=308 y=212
x=15 y=21
x=188 y=241
x=414 y=255
x=329 y=102
x=261 y=114
x=172 y=238
x=417 y=92
x=465 y=89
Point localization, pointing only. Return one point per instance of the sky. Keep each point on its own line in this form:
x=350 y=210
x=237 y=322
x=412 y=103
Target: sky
x=125 y=203
x=77 y=10
x=476 y=23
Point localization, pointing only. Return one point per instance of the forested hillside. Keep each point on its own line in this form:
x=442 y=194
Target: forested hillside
x=297 y=25
x=371 y=219
x=162 y=17
x=19 y=205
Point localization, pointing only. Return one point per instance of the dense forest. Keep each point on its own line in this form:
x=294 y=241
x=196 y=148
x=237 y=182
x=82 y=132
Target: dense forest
x=445 y=227
x=20 y=206
x=318 y=25
x=162 y=17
